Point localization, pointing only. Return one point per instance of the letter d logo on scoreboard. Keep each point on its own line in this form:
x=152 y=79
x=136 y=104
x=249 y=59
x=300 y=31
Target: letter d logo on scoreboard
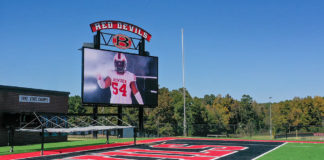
x=121 y=41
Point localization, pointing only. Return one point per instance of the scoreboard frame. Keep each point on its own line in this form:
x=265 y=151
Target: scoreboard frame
x=116 y=105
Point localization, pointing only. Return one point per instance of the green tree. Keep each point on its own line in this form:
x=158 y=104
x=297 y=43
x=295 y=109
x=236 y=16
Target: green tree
x=132 y=115
x=209 y=99
x=218 y=115
x=177 y=103
x=247 y=115
x=160 y=119
x=223 y=115
x=198 y=115
x=75 y=105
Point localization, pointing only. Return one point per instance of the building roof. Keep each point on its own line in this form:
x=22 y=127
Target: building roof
x=23 y=89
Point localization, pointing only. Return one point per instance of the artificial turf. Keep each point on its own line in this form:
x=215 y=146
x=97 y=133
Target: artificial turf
x=59 y=145
x=297 y=151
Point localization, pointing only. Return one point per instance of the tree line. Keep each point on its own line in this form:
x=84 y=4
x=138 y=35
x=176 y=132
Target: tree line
x=217 y=114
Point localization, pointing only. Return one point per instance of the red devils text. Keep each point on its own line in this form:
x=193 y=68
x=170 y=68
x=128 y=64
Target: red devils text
x=97 y=26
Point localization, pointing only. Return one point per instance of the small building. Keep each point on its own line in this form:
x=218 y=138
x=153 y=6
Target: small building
x=17 y=105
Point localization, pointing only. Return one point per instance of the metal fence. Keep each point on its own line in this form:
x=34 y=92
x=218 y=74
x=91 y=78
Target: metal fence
x=237 y=131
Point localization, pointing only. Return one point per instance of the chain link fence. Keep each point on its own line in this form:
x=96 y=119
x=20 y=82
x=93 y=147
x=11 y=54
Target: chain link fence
x=247 y=131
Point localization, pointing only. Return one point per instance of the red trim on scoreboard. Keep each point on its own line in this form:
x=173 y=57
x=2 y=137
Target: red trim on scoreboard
x=97 y=26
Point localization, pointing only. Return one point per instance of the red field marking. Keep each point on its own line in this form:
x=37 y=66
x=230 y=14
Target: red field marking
x=211 y=152
x=77 y=149
x=183 y=146
x=86 y=148
x=94 y=157
x=156 y=140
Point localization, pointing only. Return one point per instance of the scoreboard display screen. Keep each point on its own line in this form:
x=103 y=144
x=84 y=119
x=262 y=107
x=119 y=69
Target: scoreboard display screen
x=119 y=78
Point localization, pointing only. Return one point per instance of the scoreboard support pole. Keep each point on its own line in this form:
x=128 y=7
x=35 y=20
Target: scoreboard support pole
x=135 y=134
x=96 y=42
x=120 y=118
x=95 y=117
x=141 y=51
x=141 y=121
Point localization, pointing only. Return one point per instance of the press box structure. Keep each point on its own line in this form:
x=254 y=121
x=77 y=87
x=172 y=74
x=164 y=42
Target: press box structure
x=17 y=105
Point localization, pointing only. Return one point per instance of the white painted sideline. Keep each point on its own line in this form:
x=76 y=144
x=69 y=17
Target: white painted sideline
x=269 y=151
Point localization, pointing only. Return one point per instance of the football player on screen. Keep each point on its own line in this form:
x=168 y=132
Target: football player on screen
x=121 y=82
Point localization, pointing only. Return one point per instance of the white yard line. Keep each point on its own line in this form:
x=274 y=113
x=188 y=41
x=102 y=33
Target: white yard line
x=269 y=151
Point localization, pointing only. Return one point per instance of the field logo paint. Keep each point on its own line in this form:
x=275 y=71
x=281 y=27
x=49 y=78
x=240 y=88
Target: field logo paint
x=121 y=41
x=209 y=152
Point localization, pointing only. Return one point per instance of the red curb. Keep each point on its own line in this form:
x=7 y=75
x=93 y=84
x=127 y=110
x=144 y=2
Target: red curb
x=251 y=140
x=77 y=149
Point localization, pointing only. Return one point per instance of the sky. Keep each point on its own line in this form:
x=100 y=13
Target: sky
x=260 y=48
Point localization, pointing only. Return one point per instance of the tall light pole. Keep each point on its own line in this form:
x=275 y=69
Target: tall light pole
x=270 y=129
x=184 y=91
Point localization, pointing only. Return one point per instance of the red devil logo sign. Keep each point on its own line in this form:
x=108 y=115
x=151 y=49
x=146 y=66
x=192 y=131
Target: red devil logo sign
x=121 y=41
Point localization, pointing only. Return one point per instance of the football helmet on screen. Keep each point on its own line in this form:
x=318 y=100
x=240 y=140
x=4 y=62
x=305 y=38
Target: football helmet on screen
x=120 y=62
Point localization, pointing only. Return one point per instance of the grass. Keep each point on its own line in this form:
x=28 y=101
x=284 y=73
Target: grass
x=289 y=151
x=296 y=151
x=262 y=137
x=72 y=142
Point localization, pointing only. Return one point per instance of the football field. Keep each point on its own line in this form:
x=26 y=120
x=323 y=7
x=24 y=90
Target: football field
x=296 y=151
x=184 y=149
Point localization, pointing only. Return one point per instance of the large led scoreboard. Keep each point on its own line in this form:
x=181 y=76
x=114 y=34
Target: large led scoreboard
x=119 y=78
x=114 y=76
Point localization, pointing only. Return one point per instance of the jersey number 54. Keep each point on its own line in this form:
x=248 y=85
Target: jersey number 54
x=122 y=89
